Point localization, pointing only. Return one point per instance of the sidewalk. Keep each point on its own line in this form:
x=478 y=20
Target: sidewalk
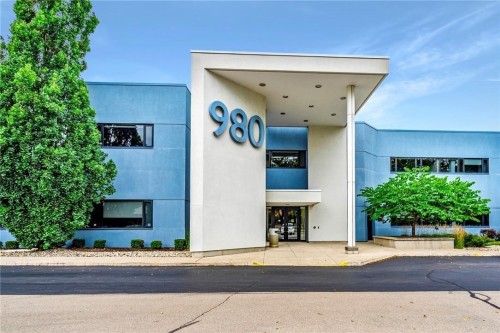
x=287 y=254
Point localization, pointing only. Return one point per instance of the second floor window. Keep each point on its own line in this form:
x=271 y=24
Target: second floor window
x=441 y=165
x=126 y=135
x=286 y=159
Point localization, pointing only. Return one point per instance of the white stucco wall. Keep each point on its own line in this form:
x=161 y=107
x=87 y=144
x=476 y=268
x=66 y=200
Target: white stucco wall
x=228 y=187
x=327 y=170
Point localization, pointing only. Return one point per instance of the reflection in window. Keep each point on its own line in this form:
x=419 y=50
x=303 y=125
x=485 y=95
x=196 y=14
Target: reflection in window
x=441 y=165
x=286 y=159
x=126 y=135
x=122 y=214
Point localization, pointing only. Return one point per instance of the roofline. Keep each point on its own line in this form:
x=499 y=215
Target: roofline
x=290 y=54
x=137 y=84
x=426 y=131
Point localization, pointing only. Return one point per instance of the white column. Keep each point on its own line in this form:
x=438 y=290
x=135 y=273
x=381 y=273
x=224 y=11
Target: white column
x=351 y=171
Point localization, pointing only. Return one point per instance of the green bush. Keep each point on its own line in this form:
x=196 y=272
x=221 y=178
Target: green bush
x=78 y=243
x=475 y=240
x=11 y=245
x=156 y=244
x=137 y=243
x=188 y=240
x=489 y=243
x=99 y=243
x=179 y=244
x=1 y=244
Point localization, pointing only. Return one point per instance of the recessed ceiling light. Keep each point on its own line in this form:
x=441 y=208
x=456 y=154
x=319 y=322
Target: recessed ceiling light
x=334 y=114
x=311 y=106
x=305 y=120
x=318 y=86
x=342 y=98
x=282 y=113
x=285 y=96
x=262 y=84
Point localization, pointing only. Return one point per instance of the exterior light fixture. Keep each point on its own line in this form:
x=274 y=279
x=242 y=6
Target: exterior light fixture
x=305 y=120
x=318 y=86
x=285 y=96
x=262 y=84
x=282 y=113
x=333 y=114
x=311 y=106
x=342 y=98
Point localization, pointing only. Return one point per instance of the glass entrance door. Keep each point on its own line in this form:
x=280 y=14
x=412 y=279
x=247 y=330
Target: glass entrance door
x=290 y=222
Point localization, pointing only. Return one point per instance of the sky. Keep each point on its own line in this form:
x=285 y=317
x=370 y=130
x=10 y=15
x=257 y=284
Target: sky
x=444 y=56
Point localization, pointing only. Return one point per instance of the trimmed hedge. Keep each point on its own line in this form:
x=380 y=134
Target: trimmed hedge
x=180 y=244
x=137 y=243
x=156 y=244
x=78 y=243
x=99 y=243
x=11 y=245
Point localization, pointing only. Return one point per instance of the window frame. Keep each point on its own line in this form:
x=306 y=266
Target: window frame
x=101 y=126
x=143 y=201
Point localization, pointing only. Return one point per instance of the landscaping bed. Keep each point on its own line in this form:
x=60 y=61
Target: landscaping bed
x=91 y=252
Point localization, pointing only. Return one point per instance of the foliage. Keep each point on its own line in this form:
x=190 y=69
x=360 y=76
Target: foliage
x=491 y=233
x=459 y=235
x=417 y=196
x=1 y=244
x=188 y=240
x=490 y=243
x=179 y=244
x=78 y=243
x=11 y=245
x=52 y=169
x=137 y=243
x=475 y=240
x=156 y=244
x=436 y=235
x=100 y=243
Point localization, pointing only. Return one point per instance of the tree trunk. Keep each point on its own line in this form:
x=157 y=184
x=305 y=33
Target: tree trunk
x=413 y=227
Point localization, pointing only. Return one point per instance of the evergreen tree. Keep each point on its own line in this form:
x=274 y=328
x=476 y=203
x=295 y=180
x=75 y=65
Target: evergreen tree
x=52 y=169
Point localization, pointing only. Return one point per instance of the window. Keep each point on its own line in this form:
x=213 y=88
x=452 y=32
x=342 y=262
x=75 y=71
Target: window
x=122 y=214
x=286 y=159
x=126 y=135
x=441 y=165
x=484 y=221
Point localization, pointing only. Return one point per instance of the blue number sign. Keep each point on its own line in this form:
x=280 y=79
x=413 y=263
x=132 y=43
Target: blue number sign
x=241 y=128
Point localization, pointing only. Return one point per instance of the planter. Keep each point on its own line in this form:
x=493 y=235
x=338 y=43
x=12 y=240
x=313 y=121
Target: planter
x=417 y=243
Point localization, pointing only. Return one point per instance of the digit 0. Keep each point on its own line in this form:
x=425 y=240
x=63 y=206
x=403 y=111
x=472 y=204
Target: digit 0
x=256 y=120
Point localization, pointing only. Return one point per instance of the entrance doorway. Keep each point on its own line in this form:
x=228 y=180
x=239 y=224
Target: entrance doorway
x=290 y=222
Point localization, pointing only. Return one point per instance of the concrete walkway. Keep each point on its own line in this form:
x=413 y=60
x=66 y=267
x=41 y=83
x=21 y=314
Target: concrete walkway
x=287 y=254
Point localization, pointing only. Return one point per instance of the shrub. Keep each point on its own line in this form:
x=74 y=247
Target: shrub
x=180 y=244
x=78 y=243
x=475 y=240
x=156 y=244
x=11 y=245
x=188 y=240
x=99 y=243
x=490 y=233
x=137 y=243
x=459 y=236
x=1 y=244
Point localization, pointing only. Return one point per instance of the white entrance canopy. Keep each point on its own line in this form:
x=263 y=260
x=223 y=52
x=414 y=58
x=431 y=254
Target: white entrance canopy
x=293 y=197
x=228 y=179
x=304 y=87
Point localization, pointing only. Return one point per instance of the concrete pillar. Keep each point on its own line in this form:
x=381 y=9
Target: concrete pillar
x=351 y=171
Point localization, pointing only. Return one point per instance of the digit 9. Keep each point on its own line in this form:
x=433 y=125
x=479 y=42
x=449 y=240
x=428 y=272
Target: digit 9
x=222 y=120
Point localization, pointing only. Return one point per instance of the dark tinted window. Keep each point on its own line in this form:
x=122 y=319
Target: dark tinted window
x=126 y=135
x=122 y=214
x=286 y=159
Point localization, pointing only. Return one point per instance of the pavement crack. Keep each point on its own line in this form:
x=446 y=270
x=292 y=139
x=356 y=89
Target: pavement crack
x=195 y=320
x=485 y=298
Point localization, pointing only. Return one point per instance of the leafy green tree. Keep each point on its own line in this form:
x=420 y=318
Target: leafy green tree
x=52 y=169
x=417 y=196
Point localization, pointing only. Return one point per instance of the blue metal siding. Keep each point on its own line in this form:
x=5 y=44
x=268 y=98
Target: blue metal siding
x=375 y=147
x=286 y=138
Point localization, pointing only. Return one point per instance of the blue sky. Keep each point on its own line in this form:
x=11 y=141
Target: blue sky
x=445 y=56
